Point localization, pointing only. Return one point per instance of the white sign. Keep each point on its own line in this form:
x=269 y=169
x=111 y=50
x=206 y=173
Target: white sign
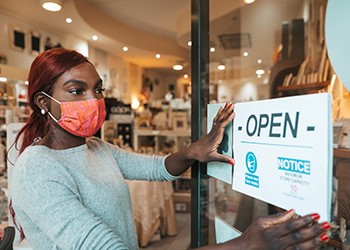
x=283 y=152
x=221 y=170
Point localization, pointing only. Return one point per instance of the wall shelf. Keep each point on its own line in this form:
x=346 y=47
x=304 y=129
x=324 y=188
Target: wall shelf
x=303 y=88
x=341 y=153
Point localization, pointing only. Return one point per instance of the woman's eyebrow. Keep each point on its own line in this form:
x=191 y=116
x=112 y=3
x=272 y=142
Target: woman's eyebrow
x=75 y=81
x=99 y=82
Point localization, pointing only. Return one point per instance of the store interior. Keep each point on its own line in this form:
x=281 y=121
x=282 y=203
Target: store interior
x=259 y=50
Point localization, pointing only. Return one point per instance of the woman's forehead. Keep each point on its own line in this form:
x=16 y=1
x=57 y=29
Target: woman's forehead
x=82 y=72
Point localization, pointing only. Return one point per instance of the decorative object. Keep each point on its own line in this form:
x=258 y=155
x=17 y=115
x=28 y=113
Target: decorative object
x=35 y=42
x=17 y=38
x=3 y=59
x=179 y=121
x=160 y=120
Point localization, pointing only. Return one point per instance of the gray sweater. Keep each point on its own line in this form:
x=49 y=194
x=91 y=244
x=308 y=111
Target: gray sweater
x=77 y=198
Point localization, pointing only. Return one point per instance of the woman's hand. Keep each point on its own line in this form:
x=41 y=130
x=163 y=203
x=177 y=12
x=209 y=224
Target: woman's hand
x=206 y=148
x=282 y=231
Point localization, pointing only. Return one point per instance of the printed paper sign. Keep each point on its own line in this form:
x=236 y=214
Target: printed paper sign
x=221 y=170
x=283 y=152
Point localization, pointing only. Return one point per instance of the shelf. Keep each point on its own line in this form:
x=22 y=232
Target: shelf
x=152 y=132
x=303 y=88
x=341 y=153
x=159 y=136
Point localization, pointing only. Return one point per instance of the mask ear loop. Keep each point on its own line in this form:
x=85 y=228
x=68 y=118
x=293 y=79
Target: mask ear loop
x=55 y=101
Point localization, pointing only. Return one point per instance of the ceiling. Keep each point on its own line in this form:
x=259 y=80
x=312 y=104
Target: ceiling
x=158 y=26
x=145 y=27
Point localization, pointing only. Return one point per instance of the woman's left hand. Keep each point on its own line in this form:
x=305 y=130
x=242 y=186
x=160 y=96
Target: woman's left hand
x=206 y=148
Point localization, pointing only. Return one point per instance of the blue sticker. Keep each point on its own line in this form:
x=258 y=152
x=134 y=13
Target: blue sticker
x=252 y=165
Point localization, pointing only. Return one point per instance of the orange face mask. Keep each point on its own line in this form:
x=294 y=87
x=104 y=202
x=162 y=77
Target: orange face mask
x=81 y=118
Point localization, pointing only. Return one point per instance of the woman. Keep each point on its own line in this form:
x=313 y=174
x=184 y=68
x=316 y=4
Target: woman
x=68 y=188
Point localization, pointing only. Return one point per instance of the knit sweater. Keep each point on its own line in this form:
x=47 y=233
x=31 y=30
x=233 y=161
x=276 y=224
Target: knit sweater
x=77 y=198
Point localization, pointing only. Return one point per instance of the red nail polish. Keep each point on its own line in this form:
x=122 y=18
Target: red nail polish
x=324 y=237
x=290 y=210
x=231 y=162
x=326 y=225
x=226 y=104
x=315 y=216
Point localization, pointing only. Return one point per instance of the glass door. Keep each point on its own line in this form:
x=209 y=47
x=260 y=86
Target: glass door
x=247 y=51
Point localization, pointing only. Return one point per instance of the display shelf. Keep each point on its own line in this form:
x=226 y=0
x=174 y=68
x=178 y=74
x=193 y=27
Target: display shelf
x=157 y=134
x=303 y=88
x=341 y=153
x=152 y=141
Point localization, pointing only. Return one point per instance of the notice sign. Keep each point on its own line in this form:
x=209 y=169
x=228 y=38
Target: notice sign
x=283 y=152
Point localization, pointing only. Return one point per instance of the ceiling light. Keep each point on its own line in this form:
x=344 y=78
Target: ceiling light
x=221 y=67
x=212 y=49
x=69 y=20
x=259 y=61
x=249 y=1
x=189 y=43
x=157 y=56
x=260 y=72
x=94 y=37
x=3 y=79
x=245 y=54
x=125 y=48
x=51 y=5
x=135 y=103
x=178 y=67
x=186 y=76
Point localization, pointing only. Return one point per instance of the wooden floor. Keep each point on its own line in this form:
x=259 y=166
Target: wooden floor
x=179 y=242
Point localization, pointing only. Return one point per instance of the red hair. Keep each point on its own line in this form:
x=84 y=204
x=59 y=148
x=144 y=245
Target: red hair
x=46 y=68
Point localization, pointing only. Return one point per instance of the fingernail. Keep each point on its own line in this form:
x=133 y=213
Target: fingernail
x=230 y=105
x=324 y=238
x=226 y=104
x=231 y=162
x=326 y=225
x=315 y=216
x=290 y=210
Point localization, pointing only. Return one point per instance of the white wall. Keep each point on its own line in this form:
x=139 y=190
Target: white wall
x=16 y=58
x=118 y=78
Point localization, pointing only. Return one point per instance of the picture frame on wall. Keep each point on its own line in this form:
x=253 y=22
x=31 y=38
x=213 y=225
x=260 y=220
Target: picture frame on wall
x=179 y=120
x=35 y=42
x=17 y=38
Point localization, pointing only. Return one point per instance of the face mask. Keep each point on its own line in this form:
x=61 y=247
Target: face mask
x=81 y=118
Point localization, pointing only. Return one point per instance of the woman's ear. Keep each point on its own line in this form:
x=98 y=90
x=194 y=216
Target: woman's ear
x=40 y=101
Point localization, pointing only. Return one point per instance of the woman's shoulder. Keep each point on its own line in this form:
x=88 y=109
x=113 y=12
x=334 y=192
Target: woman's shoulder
x=99 y=144
x=33 y=155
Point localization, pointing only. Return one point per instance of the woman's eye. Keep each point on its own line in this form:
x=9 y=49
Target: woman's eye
x=76 y=91
x=99 y=90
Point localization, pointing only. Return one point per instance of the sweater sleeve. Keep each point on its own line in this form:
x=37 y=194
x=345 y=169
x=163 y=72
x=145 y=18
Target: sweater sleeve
x=136 y=166
x=43 y=190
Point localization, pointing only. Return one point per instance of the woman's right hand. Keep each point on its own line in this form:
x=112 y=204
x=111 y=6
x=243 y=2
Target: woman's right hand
x=283 y=231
